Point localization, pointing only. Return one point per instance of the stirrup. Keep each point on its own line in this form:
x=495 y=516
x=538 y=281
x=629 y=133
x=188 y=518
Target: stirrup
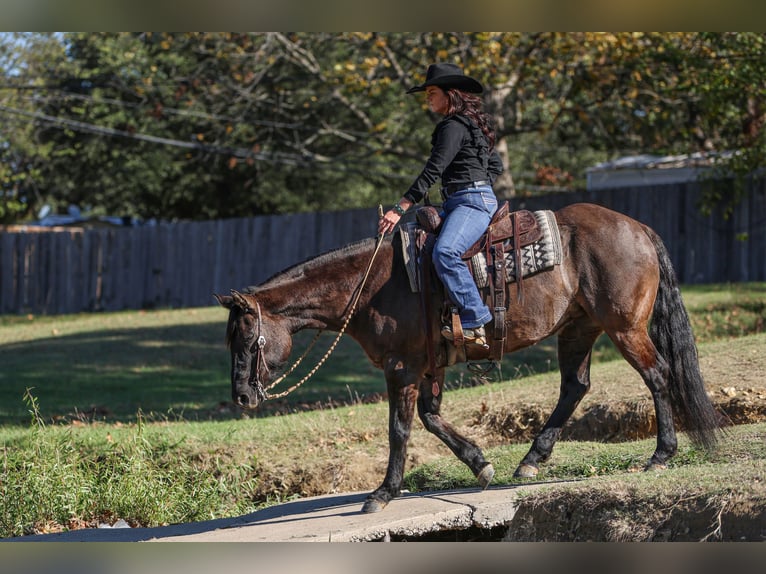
x=475 y=336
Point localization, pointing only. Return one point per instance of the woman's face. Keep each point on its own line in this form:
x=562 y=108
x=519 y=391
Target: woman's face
x=437 y=100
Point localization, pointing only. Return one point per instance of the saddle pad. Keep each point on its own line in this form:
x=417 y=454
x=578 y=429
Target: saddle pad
x=536 y=257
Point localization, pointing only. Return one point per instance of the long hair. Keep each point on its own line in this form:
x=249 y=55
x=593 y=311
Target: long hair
x=472 y=106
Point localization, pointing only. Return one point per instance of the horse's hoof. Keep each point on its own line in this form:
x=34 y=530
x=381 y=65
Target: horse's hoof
x=371 y=505
x=485 y=476
x=526 y=471
x=651 y=465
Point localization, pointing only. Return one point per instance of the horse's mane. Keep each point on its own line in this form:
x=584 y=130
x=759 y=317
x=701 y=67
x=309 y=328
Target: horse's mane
x=298 y=270
x=314 y=262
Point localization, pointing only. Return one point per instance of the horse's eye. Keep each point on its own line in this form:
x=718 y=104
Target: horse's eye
x=246 y=331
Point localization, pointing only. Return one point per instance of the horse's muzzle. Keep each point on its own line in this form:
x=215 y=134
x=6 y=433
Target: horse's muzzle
x=245 y=401
x=250 y=395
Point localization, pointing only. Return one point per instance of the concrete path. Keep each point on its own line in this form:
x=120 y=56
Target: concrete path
x=330 y=518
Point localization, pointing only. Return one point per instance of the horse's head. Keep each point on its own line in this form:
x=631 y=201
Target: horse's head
x=259 y=342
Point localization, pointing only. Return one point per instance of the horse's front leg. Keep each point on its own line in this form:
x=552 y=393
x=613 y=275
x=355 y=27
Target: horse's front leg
x=402 y=386
x=429 y=403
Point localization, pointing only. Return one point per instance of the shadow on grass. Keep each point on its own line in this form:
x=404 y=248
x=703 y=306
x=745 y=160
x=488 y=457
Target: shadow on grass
x=181 y=372
x=177 y=372
x=113 y=374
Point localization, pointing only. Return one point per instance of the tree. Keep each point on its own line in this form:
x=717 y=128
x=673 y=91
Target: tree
x=23 y=65
x=733 y=111
x=203 y=125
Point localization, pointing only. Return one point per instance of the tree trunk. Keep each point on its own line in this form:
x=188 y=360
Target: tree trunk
x=503 y=185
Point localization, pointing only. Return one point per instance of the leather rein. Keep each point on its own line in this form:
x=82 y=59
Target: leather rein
x=260 y=344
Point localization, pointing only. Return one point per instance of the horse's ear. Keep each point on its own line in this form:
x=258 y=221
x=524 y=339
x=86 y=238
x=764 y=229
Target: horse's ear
x=225 y=300
x=240 y=301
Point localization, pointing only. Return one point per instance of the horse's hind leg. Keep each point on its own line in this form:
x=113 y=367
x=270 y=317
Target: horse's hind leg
x=638 y=349
x=465 y=449
x=575 y=344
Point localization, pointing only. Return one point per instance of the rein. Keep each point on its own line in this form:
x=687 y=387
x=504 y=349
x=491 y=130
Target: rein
x=261 y=341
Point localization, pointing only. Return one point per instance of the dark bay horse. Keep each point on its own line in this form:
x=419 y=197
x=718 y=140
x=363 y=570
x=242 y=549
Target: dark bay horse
x=615 y=275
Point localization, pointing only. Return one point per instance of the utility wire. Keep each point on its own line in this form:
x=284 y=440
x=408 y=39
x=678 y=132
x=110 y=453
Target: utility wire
x=239 y=152
x=147 y=107
x=91 y=128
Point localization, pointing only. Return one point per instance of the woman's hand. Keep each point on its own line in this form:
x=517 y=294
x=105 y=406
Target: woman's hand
x=388 y=221
x=391 y=218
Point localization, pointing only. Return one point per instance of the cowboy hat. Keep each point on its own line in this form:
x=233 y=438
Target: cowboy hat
x=448 y=76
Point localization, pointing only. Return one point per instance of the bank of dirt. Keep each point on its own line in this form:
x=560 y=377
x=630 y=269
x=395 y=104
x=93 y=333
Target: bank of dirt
x=623 y=516
x=619 y=408
x=614 y=421
x=598 y=514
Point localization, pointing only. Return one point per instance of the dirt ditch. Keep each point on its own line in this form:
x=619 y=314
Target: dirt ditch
x=617 y=409
x=617 y=518
x=616 y=515
x=614 y=421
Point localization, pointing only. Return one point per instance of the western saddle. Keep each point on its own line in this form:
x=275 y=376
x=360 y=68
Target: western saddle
x=507 y=232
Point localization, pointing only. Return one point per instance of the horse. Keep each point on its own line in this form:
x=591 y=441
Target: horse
x=615 y=275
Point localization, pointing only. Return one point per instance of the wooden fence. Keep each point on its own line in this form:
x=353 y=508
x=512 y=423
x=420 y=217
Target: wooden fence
x=183 y=264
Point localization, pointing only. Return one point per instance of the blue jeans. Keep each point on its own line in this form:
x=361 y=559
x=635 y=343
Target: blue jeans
x=467 y=215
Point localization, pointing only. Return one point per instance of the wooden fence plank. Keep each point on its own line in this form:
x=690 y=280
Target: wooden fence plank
x=9 y=272
x=29 y=274
x=757 y=232
x=183 y=264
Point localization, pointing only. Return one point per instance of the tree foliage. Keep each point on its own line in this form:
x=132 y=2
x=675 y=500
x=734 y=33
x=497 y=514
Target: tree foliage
x=210 y=125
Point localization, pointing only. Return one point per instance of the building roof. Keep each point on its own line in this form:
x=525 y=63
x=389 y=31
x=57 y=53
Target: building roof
x=647 y=169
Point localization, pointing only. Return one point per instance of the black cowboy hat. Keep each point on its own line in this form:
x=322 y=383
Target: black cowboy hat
x=448 y=76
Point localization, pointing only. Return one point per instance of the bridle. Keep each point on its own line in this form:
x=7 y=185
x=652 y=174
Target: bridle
x=254 y=379
x=260 y=344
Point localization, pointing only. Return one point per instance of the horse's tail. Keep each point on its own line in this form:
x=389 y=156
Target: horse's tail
x=671 y=333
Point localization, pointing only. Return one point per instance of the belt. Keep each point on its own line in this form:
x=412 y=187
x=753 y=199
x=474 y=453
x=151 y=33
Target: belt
x=451 y=188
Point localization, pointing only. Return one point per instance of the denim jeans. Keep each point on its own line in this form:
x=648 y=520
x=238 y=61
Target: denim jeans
x=467 y=215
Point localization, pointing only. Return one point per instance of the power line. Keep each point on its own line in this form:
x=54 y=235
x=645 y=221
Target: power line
x=239 y=152
x=91 y=128
x=149 y=107
x=174 y=111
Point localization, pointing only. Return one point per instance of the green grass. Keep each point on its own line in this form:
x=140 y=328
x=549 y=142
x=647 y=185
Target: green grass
x=68 y=478
x=172 y=364
x=152 y=474
x=110 y=366
x=723 y=311
x=149 y=474
x=125 y=415
x=586 y=459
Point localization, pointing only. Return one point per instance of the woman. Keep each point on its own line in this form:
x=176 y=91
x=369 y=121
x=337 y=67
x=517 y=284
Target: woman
x=463 y=156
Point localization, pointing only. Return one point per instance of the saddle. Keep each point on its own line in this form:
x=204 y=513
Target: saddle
x=520 y=227
x=507 y=230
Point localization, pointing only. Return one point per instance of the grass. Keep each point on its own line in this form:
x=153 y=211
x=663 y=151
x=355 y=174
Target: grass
x=150 y=474
x=172 y=364
x=153 y=474
x=168 y=364
x=124 y=415
x=72 y=479
x=587 y=459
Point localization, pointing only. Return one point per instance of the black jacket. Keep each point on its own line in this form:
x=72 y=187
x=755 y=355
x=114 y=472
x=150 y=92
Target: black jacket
x=459 y=154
